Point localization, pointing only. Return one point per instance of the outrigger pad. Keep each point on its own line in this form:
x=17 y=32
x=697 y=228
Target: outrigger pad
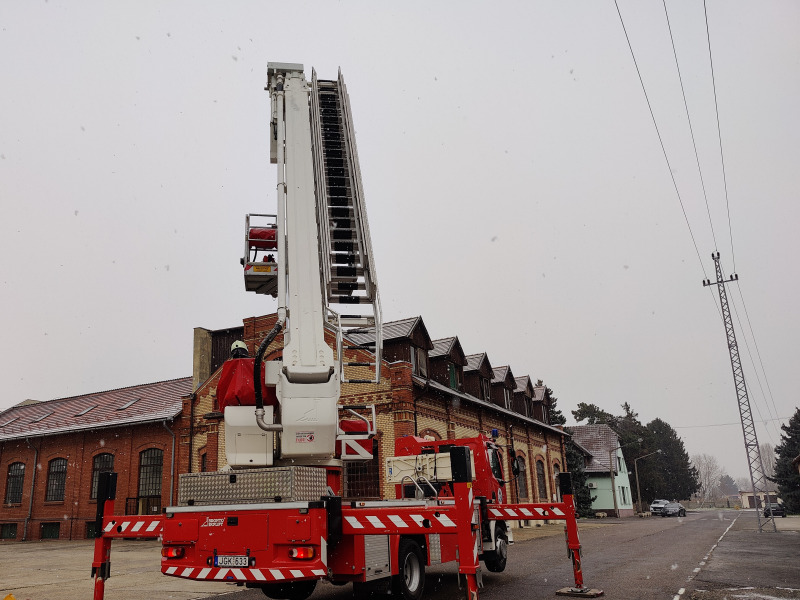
x=580 y=592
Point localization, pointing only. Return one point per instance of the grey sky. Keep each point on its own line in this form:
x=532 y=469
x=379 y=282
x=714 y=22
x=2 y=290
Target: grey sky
x=517 y=193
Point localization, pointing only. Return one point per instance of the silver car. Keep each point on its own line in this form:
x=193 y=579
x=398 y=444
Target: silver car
x=657 y=506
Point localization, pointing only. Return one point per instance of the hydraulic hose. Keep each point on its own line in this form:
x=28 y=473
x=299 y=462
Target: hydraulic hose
x=257 y=379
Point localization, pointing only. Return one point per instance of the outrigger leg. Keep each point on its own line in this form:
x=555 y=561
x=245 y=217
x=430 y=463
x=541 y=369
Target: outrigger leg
x=573 y=543
x=101 y=565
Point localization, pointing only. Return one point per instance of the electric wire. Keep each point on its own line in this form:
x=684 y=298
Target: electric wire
x=758 y=354
x=691 y=129
x=719 y=135
x=758 y=379
x=738 y=423
x=660 y=139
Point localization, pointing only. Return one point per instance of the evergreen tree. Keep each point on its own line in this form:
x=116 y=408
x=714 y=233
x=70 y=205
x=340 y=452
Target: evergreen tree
x=674 y=478
x=556 y=416
x=581 y=494
x=593 y=414
x=786 y=475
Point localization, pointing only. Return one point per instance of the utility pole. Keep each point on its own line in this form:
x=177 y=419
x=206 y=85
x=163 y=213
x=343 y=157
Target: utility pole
x=757 y=476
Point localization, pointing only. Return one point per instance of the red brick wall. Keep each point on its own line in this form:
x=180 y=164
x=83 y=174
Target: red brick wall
x=79 y=448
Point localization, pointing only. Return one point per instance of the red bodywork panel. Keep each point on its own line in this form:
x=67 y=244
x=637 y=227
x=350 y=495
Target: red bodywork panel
x=265 y=536
x=235 y=387
x=263 y=238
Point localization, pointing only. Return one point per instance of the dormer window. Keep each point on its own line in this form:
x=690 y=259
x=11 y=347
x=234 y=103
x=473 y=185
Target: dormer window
x=485 y=386
x=419 y=361
x=454 y=376
x=507 y=398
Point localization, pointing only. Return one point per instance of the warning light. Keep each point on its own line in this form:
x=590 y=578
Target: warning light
x=302 y=552
x=172 y=551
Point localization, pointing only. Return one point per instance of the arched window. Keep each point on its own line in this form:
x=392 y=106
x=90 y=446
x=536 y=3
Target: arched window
x=522 y=479
x=151 y=462
x=14 y=482
x=556 y=472
x=432 y=433
x=56 y=480
x=541 y=481
x=102 y=463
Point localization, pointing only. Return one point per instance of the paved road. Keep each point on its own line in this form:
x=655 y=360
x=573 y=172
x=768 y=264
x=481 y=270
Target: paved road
x=629 y=559
x=700 y=557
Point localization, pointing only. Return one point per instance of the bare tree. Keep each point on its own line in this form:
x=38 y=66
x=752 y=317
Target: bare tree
x=744 y=484
x=768 y=459
x=709 y=473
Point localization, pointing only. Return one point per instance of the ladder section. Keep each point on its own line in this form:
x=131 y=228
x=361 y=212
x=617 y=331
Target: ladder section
x=347 y=271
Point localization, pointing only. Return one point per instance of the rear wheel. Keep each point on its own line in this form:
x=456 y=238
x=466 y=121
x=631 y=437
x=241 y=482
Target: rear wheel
x=495 y=560
x=298 y=590
x=410 y=581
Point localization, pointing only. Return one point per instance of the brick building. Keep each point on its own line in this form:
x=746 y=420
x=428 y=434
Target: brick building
x=428 y=388
x=52 y=452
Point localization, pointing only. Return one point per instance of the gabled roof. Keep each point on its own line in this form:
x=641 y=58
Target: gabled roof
x=442 y=347
x=599 y=440
x=502 y=374
x=523 y=383
x=443 y=389
x=125 y=406
x=393 y=330
x=538 y=393
x=448 y=347
x=474 y=362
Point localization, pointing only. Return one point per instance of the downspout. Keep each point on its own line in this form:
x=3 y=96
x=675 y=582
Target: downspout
x=191 y=429
x=171 y=465
x=33 y=483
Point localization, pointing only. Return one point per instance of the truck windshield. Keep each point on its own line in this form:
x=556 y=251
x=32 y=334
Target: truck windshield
x=494 y=463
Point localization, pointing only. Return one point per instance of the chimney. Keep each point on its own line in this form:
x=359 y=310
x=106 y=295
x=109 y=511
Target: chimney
x=201 y=357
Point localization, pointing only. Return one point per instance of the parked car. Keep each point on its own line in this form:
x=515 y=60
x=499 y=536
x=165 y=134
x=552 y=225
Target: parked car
x=673 y=509
x=657 y=506
x=775 y=510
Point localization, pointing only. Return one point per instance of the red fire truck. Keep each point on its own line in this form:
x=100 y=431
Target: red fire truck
x=274 y=517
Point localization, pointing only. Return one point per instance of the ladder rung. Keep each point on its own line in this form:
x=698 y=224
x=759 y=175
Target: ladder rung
x=358 y=381
x=351 y=300
x=361 y=347
x=359 y=364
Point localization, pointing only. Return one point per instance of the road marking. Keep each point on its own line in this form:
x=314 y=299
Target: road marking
x=705 y=558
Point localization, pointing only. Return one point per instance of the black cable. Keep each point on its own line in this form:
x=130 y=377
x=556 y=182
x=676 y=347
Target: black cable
x=660 y=140
x=257 y=362
x=691 y=130
x=719 y=136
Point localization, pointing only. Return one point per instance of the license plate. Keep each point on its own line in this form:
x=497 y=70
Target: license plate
x=231 y=561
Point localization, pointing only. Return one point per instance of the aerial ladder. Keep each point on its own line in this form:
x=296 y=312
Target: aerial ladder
x=274 y=517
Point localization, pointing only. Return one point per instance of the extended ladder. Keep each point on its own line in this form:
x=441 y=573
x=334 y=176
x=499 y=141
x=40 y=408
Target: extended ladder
x=347 y=270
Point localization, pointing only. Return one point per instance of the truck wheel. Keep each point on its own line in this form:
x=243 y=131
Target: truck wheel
x=495 y=560
x=299 y=590
x=410 y=581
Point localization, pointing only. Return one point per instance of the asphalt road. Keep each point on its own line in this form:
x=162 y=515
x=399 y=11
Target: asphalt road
x=712 y=555
x=630 y=559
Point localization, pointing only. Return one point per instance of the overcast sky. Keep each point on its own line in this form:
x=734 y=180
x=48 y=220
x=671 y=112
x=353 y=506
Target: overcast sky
x=517 y=192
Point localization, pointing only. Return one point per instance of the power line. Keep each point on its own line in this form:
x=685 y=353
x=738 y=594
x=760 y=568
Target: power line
x=660 y=139
x=737 y=423
x=691 y=129
x=719 y=136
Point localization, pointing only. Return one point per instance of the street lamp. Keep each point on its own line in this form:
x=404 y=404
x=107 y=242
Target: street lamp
x=611 y=466
x=636 y=469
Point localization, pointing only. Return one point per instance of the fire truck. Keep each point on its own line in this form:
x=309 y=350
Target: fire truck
x=274 y=517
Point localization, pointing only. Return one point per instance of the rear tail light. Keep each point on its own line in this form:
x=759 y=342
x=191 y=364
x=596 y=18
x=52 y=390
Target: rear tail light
x=302 y=552
x=172 y=551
